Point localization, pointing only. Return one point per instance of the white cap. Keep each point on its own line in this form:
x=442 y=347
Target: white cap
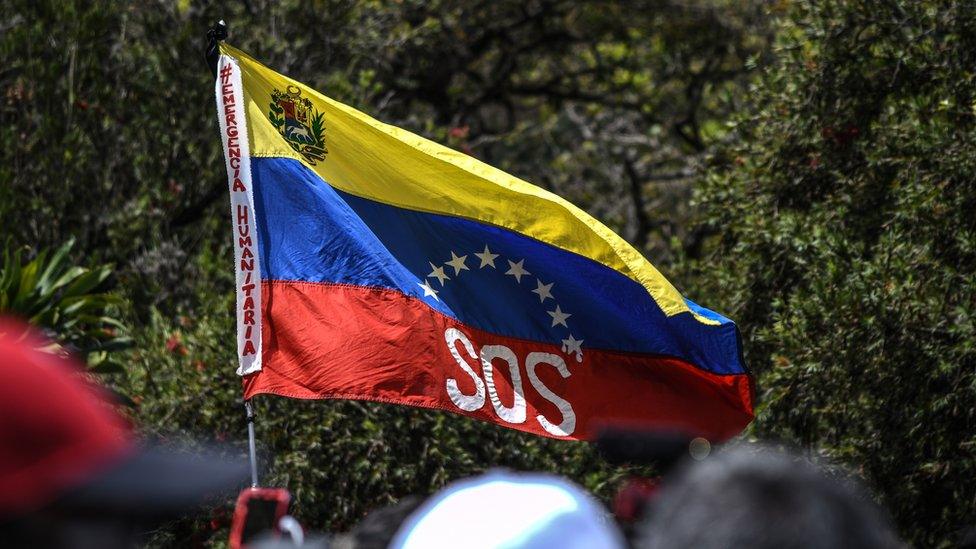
x=501 y=509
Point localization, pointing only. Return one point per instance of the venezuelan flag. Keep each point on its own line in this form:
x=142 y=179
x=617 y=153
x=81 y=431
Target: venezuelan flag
x=374 y=264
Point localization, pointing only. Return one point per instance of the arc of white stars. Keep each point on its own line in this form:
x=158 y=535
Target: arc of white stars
x=559 y=317
x=438 y=273
x=458 y=263
x=428 y=291
x=487 y=258
x=516 y=270
x=543 y=290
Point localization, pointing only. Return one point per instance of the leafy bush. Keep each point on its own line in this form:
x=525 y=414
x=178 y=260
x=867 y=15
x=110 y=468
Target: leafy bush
x=61 y=298
x=848 y=248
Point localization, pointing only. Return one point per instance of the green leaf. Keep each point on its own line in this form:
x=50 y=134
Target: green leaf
x=107 y=367
x=88 y=281
x=54 y=266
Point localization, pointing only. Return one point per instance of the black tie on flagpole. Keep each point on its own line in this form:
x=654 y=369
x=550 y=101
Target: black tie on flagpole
x=215 y=34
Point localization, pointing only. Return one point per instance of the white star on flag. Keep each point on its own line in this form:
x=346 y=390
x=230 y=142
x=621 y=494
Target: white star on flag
x=516 y=270
x=572 y=345
x=543 y=290
x=438 y=273
x=487 y=258
x=458 y=263
x=428 y=291
x=559 y=317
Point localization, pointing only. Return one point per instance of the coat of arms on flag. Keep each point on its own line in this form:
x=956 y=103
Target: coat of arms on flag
x=402 y=271
x=301 y=126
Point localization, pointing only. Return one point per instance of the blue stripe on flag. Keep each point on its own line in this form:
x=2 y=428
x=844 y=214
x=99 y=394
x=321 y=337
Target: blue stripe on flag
x=309 y=231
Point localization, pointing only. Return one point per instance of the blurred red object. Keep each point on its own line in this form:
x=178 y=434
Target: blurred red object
x=631 y=500
x=258 y=511
x=56 y=430
x=66 y=452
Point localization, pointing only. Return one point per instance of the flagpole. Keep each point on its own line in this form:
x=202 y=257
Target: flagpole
x=251 y=445
x=215 y=34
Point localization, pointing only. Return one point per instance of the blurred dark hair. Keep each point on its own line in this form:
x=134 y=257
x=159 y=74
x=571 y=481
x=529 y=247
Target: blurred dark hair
x=756 y=497
x=376 y=531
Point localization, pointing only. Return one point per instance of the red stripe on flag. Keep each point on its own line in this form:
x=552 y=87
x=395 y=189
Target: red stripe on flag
x=324 y=341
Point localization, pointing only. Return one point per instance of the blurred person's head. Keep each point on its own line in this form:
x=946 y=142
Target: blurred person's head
x=377 y=529
x=502 y=509
x=756 y=497
x=71 y=472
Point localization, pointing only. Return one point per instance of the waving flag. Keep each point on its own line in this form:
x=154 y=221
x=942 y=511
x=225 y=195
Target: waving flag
x=374 y=264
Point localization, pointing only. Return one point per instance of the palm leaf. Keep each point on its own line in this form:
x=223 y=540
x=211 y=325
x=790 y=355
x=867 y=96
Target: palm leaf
x=54 y=265
x=318 y=129
x=62 y=298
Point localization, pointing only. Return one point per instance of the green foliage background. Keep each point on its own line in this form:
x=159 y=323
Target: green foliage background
x=848 y=252
x=804 y=167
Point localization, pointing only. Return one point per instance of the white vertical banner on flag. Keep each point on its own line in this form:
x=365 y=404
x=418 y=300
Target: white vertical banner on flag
x=233 y=134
